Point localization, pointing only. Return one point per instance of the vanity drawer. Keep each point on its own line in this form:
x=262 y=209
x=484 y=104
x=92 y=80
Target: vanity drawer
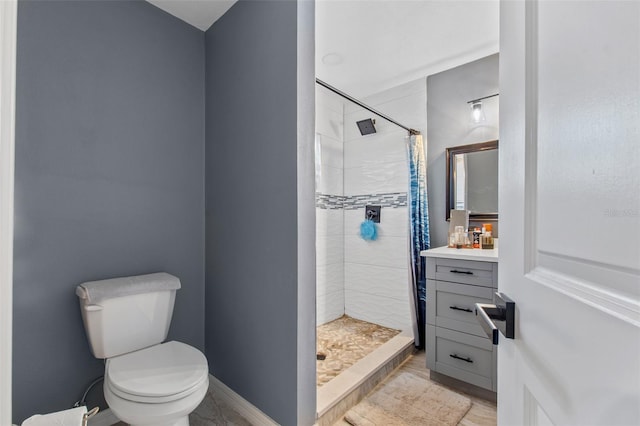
x=462 y=356
x=452 y=305
x=465 y=271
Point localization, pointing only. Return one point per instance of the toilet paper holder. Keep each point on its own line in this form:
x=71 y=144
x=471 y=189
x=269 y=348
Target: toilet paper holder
x=86 y=416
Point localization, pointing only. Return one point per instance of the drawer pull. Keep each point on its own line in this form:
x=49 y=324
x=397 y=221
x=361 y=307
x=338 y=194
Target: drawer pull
x=455 y=271
x=455 y=308
x=461 y=358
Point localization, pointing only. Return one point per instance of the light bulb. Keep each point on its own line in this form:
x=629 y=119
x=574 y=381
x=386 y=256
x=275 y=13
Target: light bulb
x=476 y=112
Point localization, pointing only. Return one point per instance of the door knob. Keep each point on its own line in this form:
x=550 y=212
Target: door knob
x=500 y=316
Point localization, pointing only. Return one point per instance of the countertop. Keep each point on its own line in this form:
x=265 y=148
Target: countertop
x=464 y=254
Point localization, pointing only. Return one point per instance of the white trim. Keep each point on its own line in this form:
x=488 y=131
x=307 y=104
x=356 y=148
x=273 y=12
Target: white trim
x=8 y=35
x=620 y=306
x=305 y=403
x=104 y=418
x=531 y=137
x=222 y=391
x=239 y=404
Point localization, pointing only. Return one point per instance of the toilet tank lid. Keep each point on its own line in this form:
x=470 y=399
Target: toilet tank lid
x=96 y=291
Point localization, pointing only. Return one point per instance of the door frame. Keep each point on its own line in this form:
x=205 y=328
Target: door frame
x=8 y=36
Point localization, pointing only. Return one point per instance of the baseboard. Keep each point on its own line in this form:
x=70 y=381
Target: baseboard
x=463 y=387
x=103 y=418
x=239 y=404
x=222 y=391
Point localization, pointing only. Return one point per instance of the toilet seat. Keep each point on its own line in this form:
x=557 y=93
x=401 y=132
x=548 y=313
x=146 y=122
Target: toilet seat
x=158 y=374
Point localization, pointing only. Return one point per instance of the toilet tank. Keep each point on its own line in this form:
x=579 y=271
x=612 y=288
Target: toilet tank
x=123 y=315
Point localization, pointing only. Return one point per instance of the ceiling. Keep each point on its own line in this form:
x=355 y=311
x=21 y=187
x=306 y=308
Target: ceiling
x=367 y=46
x=199 y=13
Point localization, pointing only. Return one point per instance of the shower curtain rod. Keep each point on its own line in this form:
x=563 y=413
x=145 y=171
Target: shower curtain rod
x=368 y=108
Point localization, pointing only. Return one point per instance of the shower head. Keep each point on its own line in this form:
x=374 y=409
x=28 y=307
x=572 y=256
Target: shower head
x=367 y=126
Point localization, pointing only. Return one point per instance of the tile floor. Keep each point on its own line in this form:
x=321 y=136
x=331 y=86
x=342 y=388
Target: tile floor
x=213 y=411
x=344 y=341
x=481 y=413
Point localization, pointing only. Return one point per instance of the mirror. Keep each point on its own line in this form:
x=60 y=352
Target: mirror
x=472 y=180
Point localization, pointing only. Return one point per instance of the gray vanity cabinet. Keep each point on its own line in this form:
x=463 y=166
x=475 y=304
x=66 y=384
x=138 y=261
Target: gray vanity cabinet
x=456 y=345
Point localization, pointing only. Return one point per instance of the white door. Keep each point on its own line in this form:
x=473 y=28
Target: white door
x=570 y=212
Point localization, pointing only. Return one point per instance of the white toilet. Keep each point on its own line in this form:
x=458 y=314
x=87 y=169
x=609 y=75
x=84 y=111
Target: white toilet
x=146 y=382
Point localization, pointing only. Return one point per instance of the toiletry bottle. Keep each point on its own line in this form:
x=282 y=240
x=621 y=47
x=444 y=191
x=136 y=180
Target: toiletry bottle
x=476 y=238
x=452 y=240
x=459 y=236
x=486 y=239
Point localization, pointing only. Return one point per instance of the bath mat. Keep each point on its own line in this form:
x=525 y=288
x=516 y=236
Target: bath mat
x=408 y=400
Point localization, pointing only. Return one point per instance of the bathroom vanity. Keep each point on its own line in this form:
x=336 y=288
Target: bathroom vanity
x=457 y=346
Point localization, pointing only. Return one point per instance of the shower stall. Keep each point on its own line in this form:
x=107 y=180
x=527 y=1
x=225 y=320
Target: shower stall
x=363 y=292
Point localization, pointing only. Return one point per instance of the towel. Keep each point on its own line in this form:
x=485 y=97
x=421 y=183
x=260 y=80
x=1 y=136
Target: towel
x=368 y=230
x=96 y=291
x=71 y=417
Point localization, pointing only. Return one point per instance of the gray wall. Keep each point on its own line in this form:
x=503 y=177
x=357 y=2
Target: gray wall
x=109 y=179
x=448 y=124
x=252 y=315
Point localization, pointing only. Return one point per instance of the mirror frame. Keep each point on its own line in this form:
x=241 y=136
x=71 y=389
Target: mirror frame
x=463 y=149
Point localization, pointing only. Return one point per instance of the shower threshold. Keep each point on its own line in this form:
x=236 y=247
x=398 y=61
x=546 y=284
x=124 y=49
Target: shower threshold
x=337 y=396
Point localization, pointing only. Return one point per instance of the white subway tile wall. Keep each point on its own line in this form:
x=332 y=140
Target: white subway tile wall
x=330 y=306
x=331 y=151
x=378 y=280
x=329 y=221
x=329 y=123
x=329 y=250
x=375 y=149
x=371 y=179
x=330 y=180
x=385 y=251
x=380 y=310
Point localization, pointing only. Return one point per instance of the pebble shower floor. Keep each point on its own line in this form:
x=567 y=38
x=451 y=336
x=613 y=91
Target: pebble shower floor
x=343 y=342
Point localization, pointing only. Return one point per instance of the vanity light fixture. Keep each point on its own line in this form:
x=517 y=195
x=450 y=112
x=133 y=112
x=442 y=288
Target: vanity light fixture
x=477 y=114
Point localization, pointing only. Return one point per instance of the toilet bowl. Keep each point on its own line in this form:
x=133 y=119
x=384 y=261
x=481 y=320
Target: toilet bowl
x=174 y=413
x=157 y=386
x=146 y=382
